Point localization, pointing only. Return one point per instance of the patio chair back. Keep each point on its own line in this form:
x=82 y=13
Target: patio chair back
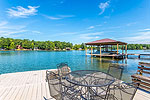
x=53 y=83
x=63 y=69
x=123 y=92
x=115 y=70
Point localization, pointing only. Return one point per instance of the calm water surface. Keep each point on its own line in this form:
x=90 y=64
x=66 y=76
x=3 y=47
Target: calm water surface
x=19 y=61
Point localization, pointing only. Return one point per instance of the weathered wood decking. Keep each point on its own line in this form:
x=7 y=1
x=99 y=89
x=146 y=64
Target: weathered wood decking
x=142 y=76
x=24 y=86
x=31 y=85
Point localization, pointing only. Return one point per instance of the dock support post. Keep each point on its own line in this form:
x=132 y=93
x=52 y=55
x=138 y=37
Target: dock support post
x=139 y=56
x=91 y=50
x=122 y=49
x=117 y=49
x=86 y=51
x=111 y=47
x=100 y=51
x=126 y=50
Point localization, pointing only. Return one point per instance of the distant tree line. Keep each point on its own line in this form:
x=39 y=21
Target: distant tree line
x=11 y=44
x=134 y=46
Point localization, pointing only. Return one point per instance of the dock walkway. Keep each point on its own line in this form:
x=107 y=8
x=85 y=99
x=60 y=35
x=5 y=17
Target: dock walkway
x=139 y=55
x=31 y=85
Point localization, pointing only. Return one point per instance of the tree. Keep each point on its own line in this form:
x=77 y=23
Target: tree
x=12 y=46
x=76 y=47
x=83 y=46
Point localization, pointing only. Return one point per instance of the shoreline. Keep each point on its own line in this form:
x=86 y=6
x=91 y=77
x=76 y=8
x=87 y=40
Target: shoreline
x=148 y=50
x=42 y=50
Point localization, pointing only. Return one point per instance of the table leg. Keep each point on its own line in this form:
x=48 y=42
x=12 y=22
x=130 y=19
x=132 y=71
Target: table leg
x=107 y=92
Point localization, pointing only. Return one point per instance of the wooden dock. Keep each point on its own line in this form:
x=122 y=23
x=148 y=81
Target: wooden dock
x=141 y=77
x=120 y=56
x=139 y=55
x=108 y=55
x=24 y=86
x=31 y=85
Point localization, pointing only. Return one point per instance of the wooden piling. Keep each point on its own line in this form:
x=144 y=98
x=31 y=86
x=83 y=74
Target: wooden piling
x=117 y=49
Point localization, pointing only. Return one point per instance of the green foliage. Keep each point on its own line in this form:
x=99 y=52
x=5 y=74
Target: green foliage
x=76 y=47
x=135 y=46
x=83 y=46
x=10 y=44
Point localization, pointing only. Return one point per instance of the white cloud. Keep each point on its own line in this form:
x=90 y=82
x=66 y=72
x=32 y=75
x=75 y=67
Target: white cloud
x=3 y=23
x=130 y=24
x=7 y=30
x=141 y=37
x=91 y=27
x=53 y=18
x=10 y=33
x=103 y=6
x=21 y=12
x=147 y=29
x=94 y=26
x=63 y=34
x=66 y=16
x=11 y=27
x=144 y=30
x=58 y=17
x=99 y=25
x=88 y=36
x=36 y=32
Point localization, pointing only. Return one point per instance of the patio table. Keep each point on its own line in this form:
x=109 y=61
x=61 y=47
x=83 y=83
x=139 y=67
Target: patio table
x=90 y=82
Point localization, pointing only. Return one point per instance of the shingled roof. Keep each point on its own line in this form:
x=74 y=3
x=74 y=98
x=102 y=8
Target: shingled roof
x=106 y=42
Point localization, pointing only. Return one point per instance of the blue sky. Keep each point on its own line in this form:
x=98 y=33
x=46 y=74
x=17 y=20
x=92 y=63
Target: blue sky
x=76 y=21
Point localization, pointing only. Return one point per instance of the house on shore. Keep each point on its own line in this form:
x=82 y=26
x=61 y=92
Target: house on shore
x=19 y=47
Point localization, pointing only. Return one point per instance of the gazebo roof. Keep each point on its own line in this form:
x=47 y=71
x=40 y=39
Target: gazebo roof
x=106 y=42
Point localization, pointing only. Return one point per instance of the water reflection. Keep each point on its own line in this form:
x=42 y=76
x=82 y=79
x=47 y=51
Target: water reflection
x=103 y=64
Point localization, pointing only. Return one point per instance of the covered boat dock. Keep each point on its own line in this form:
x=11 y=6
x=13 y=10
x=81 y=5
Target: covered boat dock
x=104 y=48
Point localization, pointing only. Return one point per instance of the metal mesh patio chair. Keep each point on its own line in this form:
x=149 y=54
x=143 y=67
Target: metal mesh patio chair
x=63 y=70
x=115 y=70
x=68 y=91
x=59 y=88
x=125 y=91
x=54 y=84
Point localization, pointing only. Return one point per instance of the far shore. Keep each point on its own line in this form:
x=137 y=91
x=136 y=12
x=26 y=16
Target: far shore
x=38 y=50
x=55 y=50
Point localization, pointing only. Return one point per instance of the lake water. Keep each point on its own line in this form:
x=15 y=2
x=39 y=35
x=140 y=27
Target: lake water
x=19 y=61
